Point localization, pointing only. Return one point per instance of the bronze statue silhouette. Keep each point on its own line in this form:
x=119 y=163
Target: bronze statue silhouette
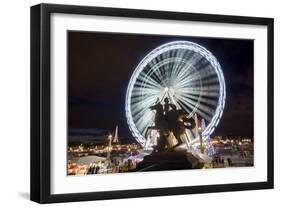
x=159 y=115
x=166 y=105
x=177 y=122
x=160 y=125
x=169 y=121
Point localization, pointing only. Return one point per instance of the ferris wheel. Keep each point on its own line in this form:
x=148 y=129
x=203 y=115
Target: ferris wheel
x=185 y=72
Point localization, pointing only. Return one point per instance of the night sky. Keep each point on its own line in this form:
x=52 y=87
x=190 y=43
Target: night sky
x=101 y=64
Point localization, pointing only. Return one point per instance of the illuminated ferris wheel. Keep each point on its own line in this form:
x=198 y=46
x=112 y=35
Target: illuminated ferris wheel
x=185 y=72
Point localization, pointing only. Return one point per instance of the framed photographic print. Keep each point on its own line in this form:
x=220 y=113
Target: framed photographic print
x=132 y=103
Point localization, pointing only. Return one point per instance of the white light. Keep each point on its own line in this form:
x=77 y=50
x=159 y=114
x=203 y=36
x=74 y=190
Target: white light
x=195 y=80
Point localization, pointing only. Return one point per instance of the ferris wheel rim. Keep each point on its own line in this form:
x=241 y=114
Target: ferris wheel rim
x=160 y=50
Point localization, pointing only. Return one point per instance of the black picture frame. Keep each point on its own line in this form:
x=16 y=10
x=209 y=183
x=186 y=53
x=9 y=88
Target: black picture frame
x=41 y=96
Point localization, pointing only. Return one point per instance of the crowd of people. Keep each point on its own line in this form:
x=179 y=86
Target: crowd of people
x=239 y=158
x=218 y=161
x=113 y=166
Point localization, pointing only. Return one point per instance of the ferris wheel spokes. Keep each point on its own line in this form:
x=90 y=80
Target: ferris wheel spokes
x=186 y=73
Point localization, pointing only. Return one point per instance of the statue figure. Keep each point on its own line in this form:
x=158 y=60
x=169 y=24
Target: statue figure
x=159 y=113
x=166 y=105
x=174 y=124
x=160 y=125
x=170 y=120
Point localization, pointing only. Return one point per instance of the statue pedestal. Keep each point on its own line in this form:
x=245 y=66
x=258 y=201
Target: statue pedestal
x=158 y=161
